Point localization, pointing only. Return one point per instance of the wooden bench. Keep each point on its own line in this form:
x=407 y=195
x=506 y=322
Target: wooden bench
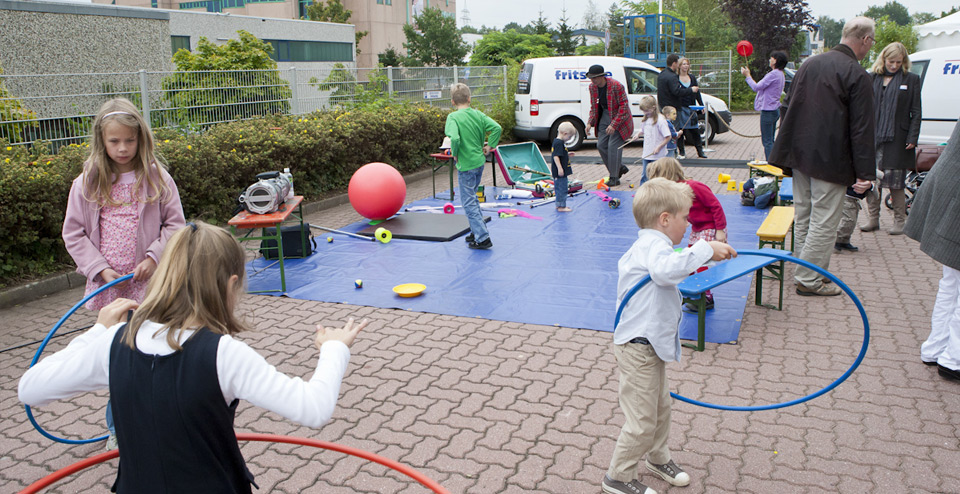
x=693 y=288
x=773 y=232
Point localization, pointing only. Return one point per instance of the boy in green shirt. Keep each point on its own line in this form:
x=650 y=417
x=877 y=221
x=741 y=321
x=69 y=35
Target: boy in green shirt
x=467 y=129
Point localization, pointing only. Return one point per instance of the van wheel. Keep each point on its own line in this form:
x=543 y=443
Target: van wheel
x=708 y=128
x=578 y=136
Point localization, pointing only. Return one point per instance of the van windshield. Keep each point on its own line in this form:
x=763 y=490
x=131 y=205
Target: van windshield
x=523 y=79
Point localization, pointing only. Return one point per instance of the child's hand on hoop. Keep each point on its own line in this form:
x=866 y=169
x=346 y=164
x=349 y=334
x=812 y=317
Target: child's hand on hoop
x=345 y=334
x=145 y=269
x=116 y=311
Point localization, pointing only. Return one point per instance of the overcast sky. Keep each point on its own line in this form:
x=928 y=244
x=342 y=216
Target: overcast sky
x=497 y=13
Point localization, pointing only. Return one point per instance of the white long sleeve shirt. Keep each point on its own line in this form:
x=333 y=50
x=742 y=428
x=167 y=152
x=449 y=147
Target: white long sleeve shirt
x=84 y=365
x=654 y=312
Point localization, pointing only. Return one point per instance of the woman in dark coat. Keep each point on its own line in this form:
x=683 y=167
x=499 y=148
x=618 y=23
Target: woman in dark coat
x=688 y=117
x=935 y=223
x=896 y=97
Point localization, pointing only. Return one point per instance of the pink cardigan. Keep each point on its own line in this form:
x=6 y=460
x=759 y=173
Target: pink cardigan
x=158 y=221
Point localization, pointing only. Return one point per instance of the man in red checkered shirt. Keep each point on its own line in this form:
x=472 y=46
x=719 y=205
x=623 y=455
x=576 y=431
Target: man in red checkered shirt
x=610 y=114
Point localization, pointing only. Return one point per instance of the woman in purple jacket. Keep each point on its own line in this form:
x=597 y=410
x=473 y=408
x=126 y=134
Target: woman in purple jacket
x=767 y=101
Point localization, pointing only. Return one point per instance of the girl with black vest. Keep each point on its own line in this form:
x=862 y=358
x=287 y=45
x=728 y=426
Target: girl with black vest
x=176 y=374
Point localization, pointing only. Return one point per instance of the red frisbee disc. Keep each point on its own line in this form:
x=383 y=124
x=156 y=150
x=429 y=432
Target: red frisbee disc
x=744 y=48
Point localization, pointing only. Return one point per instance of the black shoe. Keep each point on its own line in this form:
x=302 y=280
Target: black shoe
x=948 y=373
x=845 y=246
x=623 y=170
x=468 y=238
x=928 y=363
x=486 y=244
x=701 y=154
x=613 y=182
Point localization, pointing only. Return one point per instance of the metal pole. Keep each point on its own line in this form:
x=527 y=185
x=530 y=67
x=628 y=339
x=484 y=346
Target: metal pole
x=294 y=91
x=390 y=80
x=144 y=96
x=504 y=79
x=455 y=78
x=730 y=83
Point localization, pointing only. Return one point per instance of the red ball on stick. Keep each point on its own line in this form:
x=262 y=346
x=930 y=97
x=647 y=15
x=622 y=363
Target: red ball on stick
x=377 y=191
x=745 y=48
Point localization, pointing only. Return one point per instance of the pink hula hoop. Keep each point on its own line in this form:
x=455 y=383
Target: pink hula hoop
x=272 y=438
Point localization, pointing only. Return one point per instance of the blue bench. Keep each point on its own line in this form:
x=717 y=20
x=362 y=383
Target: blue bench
x=786 y=191
x=694 y=286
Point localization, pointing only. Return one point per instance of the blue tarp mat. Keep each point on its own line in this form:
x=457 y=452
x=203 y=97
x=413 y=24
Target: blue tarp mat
x=561 y=270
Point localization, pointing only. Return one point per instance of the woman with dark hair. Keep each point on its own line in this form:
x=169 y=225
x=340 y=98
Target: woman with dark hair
x=896 y=99
x=689 y=119
x=767 y=101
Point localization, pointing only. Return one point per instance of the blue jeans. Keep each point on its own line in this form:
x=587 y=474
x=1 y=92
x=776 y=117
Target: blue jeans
x=643 y=177
x=110 y=426
x=768 y=127
x=469 y=181
x=560 y=185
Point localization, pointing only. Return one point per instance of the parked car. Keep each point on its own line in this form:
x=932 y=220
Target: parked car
x=553 y=90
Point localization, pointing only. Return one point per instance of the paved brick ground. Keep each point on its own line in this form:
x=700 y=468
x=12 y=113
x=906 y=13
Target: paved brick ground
x=496 y=407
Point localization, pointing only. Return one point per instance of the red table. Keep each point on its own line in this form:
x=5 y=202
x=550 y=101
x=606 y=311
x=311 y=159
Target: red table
x=250 y=221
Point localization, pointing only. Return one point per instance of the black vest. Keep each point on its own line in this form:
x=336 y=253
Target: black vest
x=174 y=432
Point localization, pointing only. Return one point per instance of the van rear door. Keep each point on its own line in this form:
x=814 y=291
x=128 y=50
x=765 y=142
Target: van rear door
x=522 y=97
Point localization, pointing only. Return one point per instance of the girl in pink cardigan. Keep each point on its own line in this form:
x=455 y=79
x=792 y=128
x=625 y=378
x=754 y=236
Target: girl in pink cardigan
x=122 y=208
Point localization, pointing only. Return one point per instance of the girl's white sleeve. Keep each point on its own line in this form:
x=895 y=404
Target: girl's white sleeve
x=245 y=374
x=82 y=366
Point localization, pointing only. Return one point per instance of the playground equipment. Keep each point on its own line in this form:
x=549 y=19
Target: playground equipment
x=651 y=37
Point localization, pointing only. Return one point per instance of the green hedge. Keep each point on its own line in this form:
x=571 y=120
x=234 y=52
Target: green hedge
x=322 y=150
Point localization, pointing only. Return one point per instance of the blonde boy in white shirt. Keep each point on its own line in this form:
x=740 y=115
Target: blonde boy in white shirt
x=647 y=335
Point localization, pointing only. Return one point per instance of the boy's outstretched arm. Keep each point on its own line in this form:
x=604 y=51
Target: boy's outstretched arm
x=722 y=251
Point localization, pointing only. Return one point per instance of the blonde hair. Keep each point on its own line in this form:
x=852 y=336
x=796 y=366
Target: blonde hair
x=566 y=127
x=460 y=93
x=891 y=50
x=858 y=27
x=99 y=171
x=649 y=103
x=680 y=64
x=192 y=285
x=657 y=196
x=669 y=112
x=668 y=168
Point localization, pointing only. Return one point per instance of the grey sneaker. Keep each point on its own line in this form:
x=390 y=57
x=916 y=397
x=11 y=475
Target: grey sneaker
x=819 y=289
x=111 y=442
x=611 y=486
x=670 y=472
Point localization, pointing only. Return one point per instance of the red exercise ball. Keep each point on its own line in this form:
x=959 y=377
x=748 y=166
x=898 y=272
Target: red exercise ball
x=377 y=191
x=745 y=48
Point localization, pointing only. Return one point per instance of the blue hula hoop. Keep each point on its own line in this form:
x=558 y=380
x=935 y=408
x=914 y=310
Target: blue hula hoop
x=801 y=262
x=43 y=345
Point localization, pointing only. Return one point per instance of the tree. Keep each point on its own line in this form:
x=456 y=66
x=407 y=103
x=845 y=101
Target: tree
x=887 y=32
x=565 y=44
x=233 y=81
x=830 y=29
x=919 y=18
x=390 y=58
x=592 y=19
x=498 y=48
x=782 y=21
x=614 y=19
x=333 y=11
x=541 y=26
x=893 y=10
x=437 y=42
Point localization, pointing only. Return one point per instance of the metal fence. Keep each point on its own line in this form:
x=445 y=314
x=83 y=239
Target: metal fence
x=714 y=71
x=59 y=108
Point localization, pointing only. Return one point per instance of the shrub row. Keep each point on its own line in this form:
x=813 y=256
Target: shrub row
x=321 y=149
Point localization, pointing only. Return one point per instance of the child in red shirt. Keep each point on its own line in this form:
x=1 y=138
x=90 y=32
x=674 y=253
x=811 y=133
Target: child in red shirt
x=707 y=221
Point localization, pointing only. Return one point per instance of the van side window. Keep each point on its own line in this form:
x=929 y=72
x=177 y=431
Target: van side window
x=640 y=81
x=920 y=68
x=523 y=79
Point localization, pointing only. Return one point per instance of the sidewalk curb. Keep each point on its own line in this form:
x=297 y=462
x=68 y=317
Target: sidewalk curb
x=59 y=282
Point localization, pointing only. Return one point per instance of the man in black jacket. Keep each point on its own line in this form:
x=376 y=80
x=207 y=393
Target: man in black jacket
x=669 y=89
x=826 y=142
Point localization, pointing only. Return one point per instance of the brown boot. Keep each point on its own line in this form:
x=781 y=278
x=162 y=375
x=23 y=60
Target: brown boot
x=873 y=211
x=899 y=202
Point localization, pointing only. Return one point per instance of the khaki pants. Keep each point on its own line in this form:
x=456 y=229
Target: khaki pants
x=819 y=206
x=645 y=401
x=848 y=222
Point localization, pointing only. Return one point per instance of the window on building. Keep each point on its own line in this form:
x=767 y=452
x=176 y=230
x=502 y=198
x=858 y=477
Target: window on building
x=310 y=51
x=178 y=42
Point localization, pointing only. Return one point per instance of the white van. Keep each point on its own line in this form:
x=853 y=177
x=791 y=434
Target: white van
x=555 y=89
x=939 y=71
